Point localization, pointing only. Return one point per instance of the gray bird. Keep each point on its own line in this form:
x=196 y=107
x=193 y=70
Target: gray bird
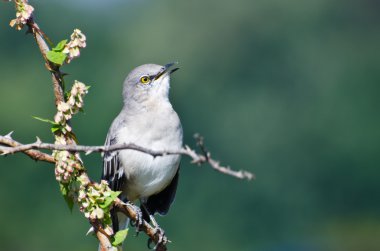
x=148 y=120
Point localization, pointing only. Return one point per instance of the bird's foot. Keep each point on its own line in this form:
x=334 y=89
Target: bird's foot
x=160 y=238
x=138 y=223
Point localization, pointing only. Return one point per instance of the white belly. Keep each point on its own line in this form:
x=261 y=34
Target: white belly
x=146 y=175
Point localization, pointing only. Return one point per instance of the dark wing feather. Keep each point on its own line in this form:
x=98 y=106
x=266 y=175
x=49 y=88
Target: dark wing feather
x=161 y=201
x=113 y=173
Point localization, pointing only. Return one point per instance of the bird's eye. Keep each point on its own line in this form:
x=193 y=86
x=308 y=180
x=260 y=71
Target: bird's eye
x=144 y=80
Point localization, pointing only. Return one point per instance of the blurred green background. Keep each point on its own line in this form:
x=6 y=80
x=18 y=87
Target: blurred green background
x=286 y=89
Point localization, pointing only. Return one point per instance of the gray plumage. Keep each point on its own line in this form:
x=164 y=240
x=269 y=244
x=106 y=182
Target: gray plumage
x=148 y=120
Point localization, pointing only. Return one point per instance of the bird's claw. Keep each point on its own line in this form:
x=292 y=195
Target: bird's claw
x=161 y=238
x=138 y=223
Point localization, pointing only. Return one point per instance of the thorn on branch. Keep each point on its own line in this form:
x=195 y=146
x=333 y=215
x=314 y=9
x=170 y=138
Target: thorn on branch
x=200 y=143
x=9 y=135
x=38 y=141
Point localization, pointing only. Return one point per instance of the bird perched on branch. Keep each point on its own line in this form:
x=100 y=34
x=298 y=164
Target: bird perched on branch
x=147 y=119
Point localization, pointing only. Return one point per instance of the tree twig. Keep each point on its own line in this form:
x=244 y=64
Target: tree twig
x=58 y=85
x=56 y=75
x=198 y=159
x=34 y=154
x=146 y=227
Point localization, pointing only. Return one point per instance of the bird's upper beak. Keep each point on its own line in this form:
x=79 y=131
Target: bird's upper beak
x=166 y=69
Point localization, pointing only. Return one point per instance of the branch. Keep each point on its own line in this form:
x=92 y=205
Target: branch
x=57 y=79
x=34 y=154
x=56 y=75
x=129 y=211
x=204 y=157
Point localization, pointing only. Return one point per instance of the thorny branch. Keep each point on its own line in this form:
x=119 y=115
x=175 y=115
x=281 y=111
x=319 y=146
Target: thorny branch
x=56 y=74
x=36 y=155
x=24 y=17
x=205 y=157
x=58 y=85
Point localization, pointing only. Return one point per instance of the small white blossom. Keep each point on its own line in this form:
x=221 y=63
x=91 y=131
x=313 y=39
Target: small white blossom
x=71 y=101
x=65 y=155
x=94 y=193
x=23 y=13
x=81 y=195
x=87 y=214
x=66 y=166
x=104 y=184
x=70 y=169
x=78 y=88
x=83 y=180
x=86 y=204
x=59 y=170
x=72 y=48
x=68 y=128
x=58 y=117
x=63 y=107
x=67 y=116
x=98 y=213
x=79 y=104
x=74 y=103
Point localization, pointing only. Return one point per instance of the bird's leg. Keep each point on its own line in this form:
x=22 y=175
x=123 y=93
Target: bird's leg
x=159 y=232
x=161 y=241
x=139 y=217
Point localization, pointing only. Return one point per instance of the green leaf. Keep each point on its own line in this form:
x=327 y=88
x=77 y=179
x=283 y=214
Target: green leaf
x=108 y=201
x=67 y=95
x=56 y=57
x=60 y=46
x=44 y=120
x=65 y=193
x=119 y=237
x=56 y=127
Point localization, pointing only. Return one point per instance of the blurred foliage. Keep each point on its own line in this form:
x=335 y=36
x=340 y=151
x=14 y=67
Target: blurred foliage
x=286 y=89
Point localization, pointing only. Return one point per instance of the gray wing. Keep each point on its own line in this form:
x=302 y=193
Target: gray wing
x=113 y=173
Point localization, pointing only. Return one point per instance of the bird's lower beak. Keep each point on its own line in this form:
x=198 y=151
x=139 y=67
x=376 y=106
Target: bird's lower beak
x=166 y=69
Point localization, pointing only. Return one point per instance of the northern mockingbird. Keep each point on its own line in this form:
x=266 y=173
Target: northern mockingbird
x=148 y=120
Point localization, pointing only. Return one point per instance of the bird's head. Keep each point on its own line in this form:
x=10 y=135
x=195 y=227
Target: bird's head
x=148 y=82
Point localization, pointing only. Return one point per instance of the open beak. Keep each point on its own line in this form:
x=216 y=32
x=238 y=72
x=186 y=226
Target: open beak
x=165 y=69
